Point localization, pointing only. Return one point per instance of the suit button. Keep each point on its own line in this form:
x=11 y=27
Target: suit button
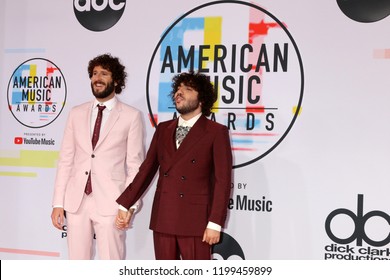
x=183 y=178
x=193 y=161
x=92 y=156
x=166 y=174
x=181 y=194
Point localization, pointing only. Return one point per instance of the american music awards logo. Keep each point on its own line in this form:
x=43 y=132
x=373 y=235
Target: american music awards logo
x=36 y=93
x=254 y=64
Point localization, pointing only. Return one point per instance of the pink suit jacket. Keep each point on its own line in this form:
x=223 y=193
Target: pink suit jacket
x=194 y=181
x=113 y=164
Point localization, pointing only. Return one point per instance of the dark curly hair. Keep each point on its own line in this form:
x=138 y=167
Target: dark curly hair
x=199 y=82
x=113 y=65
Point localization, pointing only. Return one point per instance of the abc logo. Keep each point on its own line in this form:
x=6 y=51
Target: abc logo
x=365 y=10
x=359 y=221
x=98 y=15
x=227 y=249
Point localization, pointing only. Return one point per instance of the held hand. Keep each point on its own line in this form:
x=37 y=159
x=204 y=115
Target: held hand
x=123 y=219
x=211 y=236
x=57 y=217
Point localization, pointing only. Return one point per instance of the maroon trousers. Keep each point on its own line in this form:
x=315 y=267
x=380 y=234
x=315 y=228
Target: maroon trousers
x=173 y=247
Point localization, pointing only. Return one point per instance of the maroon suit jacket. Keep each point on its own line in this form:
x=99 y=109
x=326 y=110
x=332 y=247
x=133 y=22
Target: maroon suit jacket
x=194 y=181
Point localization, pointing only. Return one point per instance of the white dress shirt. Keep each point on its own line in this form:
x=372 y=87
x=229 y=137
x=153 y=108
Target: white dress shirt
x=106 y=112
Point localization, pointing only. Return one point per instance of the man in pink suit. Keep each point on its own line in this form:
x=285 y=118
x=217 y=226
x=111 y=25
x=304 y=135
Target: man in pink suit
x=193 y=187
x=109 y=167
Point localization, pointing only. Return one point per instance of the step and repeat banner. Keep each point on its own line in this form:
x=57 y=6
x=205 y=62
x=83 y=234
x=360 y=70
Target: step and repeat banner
x=303 y=86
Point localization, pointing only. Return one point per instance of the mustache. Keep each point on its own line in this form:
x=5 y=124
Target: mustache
x=178 y=95
x=99 y=82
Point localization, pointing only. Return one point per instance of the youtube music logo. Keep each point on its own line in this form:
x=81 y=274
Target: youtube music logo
x=18 y=140
x=42 y=141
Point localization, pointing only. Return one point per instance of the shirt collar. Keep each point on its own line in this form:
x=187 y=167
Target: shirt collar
x=109 y=103
x=189 y=122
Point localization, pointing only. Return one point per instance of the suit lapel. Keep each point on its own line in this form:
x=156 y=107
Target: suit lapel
x=169 y=140
x=87 y=126
x=193 y=136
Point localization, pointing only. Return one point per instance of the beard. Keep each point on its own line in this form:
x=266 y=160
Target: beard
x=188 y=108
x=105 y=93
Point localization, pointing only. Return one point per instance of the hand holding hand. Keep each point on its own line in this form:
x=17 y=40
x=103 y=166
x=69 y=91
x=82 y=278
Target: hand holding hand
x=123 y=219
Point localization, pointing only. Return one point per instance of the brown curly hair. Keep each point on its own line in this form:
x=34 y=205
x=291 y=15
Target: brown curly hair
x=112 y=64
x=199 y=82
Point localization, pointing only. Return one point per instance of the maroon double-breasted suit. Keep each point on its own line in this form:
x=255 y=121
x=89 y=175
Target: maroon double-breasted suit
x=194 y=180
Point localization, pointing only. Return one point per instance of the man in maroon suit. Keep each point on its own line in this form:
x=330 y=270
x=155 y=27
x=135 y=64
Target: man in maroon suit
x=193 y=188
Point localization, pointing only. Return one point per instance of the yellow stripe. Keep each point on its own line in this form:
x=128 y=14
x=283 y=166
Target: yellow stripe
x=42 y=159
x=33 y=73
x=294 y=110
x=18 y=174
x=212 y=37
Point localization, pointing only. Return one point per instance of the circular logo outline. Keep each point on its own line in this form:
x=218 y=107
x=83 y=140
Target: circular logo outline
x=65 y=95
x=299 y=104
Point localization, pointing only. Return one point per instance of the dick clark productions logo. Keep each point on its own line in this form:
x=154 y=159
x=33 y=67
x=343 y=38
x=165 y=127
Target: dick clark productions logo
x=253 y=62
x=360 y=221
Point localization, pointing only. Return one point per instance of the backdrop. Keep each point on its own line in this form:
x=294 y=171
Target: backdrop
x=303 y=88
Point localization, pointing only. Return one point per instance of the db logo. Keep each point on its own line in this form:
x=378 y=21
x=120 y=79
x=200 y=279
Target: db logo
x=359 y=220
